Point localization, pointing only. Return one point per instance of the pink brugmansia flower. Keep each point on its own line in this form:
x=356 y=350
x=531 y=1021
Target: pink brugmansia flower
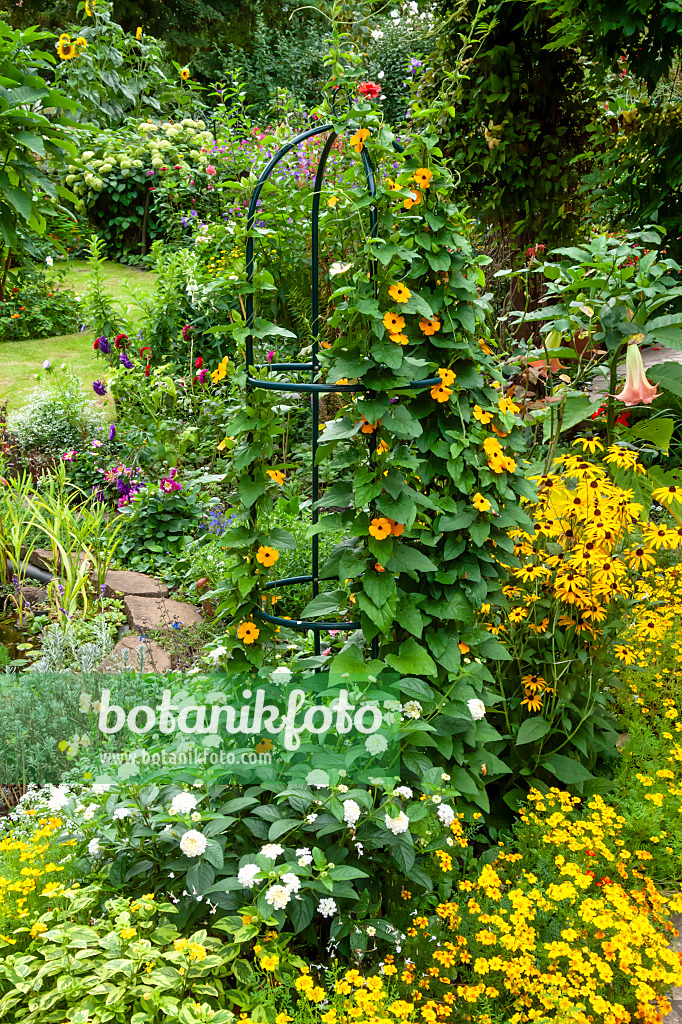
x=637 y=388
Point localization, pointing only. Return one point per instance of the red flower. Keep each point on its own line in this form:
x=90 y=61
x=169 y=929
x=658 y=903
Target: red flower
x=623 y=418
x=370 y=89
x=599 y=412
x=119 y=340
x=198 y=363
x=145 y=349
x=147 y=369
x=185 y=331
x=95 y=344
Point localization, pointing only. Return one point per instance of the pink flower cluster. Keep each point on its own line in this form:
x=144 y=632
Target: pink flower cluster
x=169 y=483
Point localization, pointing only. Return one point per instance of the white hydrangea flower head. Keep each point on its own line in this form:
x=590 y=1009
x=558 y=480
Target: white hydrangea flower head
x=182 y=803
x=193 y=843
x=476 y=709
x=327 y=907
x=278 y=896
x=397 y=825
x=246 y=876
x=351 y=812
x=272 y=850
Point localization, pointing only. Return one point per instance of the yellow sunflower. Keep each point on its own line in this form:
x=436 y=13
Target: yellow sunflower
x=66 y=49
x=184 y=74
x=81 y=42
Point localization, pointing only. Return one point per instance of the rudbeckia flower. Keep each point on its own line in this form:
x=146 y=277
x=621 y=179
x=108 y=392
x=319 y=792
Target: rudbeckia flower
x=380 y=528
x=267 y=556
x=430 y=326
x=667 y=495
x=393 y=323
x=248 y=632
x=399 y=292
x=357 y=141
x=423 y=177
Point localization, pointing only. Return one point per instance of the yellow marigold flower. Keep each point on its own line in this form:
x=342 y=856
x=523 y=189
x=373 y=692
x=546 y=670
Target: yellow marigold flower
x=248 y=632
x=275 y=474
x=283 y=1018
x=357 y=141
x=480 y=503
x=38 y=928
x=267 y=556
x=423 y=177
x=269 y=962
x=393 y=323
x=430 y=326
x=380 y=528
x=399 y=292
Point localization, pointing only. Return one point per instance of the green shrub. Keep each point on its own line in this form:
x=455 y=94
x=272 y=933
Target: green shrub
x=56 y=416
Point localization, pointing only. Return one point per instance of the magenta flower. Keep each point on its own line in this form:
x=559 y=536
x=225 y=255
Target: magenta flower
x=210 y=169
x=271 y=355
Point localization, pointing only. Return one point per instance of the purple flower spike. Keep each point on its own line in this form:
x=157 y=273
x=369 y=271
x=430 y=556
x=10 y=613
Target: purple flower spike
x=125 y=361
x=104 y=345
x=112 y=432
x=99 y=388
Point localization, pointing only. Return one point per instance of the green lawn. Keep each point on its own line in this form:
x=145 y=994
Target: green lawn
x=21 y=360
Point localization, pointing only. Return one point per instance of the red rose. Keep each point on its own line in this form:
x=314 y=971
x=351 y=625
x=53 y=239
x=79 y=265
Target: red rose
x=198 y=363
x=370 y=89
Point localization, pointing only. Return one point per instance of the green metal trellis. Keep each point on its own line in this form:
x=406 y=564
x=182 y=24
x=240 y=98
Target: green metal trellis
x=314 y=387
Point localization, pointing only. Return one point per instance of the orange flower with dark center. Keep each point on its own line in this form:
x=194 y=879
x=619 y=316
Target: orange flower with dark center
x=248 y=632
x=380 y=528
x=414 y=199
x=393 y=322
x=267 y=556
x=430 y=326
x=441 y=393
x=399 y=292
x=423 y=177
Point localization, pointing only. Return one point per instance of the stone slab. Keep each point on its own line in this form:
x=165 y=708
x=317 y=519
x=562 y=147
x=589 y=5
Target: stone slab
x=41 y=558
x=153 y=613
x=155 y=658
x=34 y=595
x=136 y=583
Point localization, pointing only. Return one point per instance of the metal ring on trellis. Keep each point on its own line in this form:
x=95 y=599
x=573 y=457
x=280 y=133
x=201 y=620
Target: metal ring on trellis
x=313 y=367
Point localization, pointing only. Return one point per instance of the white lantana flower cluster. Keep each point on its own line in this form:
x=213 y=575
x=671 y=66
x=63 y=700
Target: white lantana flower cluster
x=193 y=843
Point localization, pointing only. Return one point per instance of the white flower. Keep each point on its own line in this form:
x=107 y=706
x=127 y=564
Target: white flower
x=339 y=268
x=272 y=850
x=446 y=814
x=397 y=825
x=47 y=364
x=327 y=907
x=413 y=6
x=342 y=788
x=304 y=857
x=445 y=777
x=310 y=818
x=371 y=930
x=277 y=896
x=450 y=841
x=89 y=812
x=376 y=743
x=247 y=875
x=292 y=881
x=197 y=783
x=196 y=816
x=84 y=702
x=93 y=847
x=182 y=803
x=380 y=75
x=360 y=849
x=58 y=799
x=395 y=15
x=351 y=812
x=435 y=799
x=281 y=675
x=216 y=653
x=193 y=843
x=120 y=813
x=404 y=791
x=304 y=851
x=413 y=708
x=392 y=705
x=317 y=778
x=377 y=34
x=49 y=261
x=101 y=787
x=476 y=708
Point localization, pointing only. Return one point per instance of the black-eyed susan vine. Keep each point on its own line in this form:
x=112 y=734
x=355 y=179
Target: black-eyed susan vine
x=427 y=477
